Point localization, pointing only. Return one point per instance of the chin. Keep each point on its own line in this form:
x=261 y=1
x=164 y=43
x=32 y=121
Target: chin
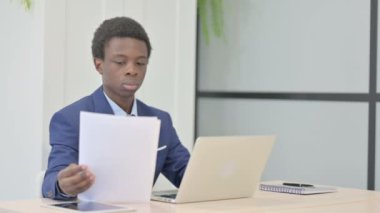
x=129 y=94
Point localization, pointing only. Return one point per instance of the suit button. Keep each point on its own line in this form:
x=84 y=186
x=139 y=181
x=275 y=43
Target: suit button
x=50 y=194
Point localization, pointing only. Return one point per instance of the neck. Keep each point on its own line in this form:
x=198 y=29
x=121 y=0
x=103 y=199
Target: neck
x=125 y=103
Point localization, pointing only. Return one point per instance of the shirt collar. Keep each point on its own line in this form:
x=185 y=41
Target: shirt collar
x=118 y=110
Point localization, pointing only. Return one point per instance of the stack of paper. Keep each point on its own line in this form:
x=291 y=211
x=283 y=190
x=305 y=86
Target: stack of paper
x=121 y=152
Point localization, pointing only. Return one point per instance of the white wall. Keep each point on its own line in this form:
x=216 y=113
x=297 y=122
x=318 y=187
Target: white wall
x=46 y=58
x=21 y=108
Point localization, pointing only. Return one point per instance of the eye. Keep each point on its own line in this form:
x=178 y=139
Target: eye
x=141 y=63
x=119 y=62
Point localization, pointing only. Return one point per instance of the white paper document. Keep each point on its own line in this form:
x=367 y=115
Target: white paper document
x=121 y=152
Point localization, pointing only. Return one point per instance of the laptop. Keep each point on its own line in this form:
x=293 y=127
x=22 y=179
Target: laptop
x=221 y=168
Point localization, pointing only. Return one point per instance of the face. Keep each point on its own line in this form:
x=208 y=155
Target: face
x=123 y=68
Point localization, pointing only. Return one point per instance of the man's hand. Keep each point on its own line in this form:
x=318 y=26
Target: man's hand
x=75 y=179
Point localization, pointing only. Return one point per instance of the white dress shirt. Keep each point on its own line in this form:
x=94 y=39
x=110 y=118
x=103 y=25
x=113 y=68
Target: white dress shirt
x=117 y=110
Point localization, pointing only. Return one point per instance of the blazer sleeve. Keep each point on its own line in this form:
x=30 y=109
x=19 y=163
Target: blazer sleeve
x=178 y=156
x=64 y=130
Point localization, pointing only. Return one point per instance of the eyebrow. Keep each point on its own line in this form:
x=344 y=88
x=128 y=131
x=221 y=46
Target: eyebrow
x=124 y=56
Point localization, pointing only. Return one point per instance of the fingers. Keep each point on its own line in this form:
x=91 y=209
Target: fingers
x=79 y=177
x=74 y=189
x=75 y=179
x=83 y=185
x=71 y=170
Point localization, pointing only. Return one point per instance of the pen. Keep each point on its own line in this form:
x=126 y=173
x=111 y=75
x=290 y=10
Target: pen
x=297 y=184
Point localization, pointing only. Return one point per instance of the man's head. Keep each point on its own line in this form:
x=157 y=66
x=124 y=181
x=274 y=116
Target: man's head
x=121 y=51
x=117 y=27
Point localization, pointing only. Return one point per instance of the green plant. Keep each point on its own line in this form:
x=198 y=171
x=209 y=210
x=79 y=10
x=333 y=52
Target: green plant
x=216 y=7
x=27 y=4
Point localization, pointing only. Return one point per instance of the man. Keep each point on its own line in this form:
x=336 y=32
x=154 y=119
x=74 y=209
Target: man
x=121 y=51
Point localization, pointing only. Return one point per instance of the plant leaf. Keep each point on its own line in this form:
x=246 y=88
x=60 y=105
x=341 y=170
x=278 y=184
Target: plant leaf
x=217 y=17
x=27 y=4
x=202 y=11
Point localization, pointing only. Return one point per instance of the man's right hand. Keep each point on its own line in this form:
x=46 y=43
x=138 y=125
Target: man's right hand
x=75 y=179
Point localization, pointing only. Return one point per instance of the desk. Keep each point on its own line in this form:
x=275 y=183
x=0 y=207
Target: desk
x=345 y=200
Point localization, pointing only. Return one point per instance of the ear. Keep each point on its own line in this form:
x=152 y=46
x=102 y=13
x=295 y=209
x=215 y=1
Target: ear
x=99 y=65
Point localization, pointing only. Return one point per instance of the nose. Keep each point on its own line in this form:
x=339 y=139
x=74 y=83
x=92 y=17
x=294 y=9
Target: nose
x=131 y=69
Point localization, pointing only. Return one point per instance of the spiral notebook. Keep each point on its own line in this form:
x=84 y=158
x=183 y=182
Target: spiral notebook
x=279 y=187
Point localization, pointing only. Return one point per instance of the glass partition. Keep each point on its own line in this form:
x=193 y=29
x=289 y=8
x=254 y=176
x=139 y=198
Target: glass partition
x=317 y=142
x=289 y=46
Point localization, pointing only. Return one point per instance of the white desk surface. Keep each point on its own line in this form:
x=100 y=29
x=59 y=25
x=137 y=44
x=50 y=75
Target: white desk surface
x=345 y=200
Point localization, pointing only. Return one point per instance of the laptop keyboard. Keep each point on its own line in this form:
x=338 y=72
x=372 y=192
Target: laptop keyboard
x=169 y=196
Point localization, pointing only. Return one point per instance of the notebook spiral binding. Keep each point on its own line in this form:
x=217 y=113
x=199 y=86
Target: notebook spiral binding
x=282 y=189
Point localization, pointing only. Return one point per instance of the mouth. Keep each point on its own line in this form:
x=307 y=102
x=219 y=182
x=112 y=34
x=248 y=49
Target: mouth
x=130 y=86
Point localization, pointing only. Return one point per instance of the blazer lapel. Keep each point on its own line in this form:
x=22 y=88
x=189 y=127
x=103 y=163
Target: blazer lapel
x=143 y=109
x=100 y=102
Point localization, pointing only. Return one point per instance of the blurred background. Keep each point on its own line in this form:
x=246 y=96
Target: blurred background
x=304 y=70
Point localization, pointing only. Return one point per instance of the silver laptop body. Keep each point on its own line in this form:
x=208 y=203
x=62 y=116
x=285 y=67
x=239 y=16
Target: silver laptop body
x=222 y=168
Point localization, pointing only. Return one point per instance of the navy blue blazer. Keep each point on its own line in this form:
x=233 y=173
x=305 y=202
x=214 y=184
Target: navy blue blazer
x=64 y=140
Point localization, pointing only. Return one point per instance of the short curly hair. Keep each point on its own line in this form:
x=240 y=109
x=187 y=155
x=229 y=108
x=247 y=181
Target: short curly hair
x=117 y=27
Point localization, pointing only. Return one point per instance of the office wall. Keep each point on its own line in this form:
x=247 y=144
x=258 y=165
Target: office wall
x=285 y=48
x=21 y=57
x=377 y=174
x=47 y=64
